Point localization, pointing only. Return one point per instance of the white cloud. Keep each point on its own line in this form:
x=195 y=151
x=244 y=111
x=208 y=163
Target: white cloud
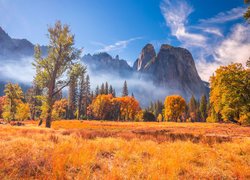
x=213 y=30
x=222 y=17
x=119 y=45
x=234 y=48
x=176 y=14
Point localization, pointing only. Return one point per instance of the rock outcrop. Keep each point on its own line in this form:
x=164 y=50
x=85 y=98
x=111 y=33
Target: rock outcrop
x=146 y=57
x=173 y=69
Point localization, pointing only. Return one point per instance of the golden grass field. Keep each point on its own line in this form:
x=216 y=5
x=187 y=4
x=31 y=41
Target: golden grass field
x=124 y=150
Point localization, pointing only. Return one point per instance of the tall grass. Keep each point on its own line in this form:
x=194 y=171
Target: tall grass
x=38 y=153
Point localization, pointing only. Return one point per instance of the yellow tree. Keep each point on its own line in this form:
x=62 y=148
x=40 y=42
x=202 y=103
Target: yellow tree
x=175 y=106
x=14 y=96
x=230 y=93
x=129 y=107
x=23 y=111
x=59 y=109
x=52 y=70
x=102 y=106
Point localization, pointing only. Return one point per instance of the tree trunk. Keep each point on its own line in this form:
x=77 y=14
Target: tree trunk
x=48 y=117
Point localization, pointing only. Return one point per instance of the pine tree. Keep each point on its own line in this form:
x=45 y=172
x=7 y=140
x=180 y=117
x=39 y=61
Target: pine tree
x=72 y=97
x=97 y=91
x=132 y=95
x=86 y=96
x=192 y=108
x=203 y=108
x=102 y=90
x=81 y=92
x=125 y=89
x=110 y=89
x=114 y=93
x=106 y=88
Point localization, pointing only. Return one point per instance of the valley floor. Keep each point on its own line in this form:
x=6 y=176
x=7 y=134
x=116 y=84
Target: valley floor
x=124 y=150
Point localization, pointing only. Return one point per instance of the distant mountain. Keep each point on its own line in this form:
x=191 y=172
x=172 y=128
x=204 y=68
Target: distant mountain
x=172 y=68
x=11 y=48
x=104 y=63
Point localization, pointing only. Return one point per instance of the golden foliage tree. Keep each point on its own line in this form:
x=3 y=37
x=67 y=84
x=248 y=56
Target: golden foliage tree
x=51 y=70
x=23 y=111
x=129 y=107
x=102 y=106
x=14 y=96
x=2 y=103
x=175 y=107
x=59 y=109
x=230 y=93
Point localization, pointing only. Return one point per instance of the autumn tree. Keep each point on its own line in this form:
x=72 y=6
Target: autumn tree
x=2 y=103
x=14 y=96
x=230 y=93
x=60 y=109
x=101 y=107
x=174 y=108
x=23 y=111
x=129 y=107
x=125 y=89
x=52 y=70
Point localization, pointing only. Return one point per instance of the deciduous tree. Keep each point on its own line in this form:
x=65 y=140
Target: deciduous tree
x=174 y=107
x=51 y=70
x=14 y=96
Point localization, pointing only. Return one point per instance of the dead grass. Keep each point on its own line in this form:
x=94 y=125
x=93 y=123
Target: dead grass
x=109 y=150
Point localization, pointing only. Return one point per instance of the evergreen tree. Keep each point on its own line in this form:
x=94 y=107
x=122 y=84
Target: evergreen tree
x=86 y=96
x=110 y=89
x=102 y=90
x=132 y=95
x=114 y=93
x=97 y=91
x=81 y=92
x=106 y=88
x=72 y=97
x=203 y=108
x=192 y=110
x=125 y=89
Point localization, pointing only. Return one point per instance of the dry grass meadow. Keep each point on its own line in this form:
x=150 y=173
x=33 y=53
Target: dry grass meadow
x=124 y=150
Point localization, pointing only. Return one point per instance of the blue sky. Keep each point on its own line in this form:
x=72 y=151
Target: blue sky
x=214 y=31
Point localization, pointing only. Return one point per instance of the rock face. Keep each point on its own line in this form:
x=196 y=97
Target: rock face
x=146 y=57
x=173 y=69
x=104 y=63
x=15 y=48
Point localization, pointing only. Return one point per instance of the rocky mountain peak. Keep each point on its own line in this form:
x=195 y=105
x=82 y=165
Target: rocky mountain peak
x=147 y=56
x=165 y=46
